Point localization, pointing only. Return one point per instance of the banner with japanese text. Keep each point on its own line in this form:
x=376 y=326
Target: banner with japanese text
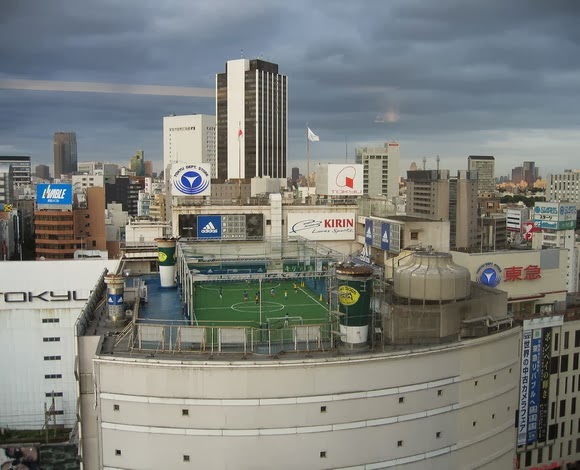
x=546 y=348
x=535 y=380
x=524 y=388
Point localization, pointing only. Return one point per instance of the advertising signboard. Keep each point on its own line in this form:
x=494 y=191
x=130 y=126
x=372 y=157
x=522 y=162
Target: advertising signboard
x=524 y=388
x=191 y=180
x=209 y=226
x=555 y=215
x=334 y=179
x=333 y=226
x=514 y=220
x=54 y=194
x=546 y=356
x=385 y=236
x=368 y=232
x=535 y=377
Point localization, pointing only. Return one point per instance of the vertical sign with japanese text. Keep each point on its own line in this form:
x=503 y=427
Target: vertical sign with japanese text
x=524 y=388
x=546 y=348
x=535 y=380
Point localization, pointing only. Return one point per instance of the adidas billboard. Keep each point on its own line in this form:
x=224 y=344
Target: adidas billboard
x=209 y=226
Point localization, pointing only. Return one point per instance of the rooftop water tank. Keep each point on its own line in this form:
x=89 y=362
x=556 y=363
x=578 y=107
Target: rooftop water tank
x=432 y=276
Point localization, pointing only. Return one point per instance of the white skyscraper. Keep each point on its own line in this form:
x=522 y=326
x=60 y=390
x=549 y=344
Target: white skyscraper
x=381 y=169
x=189 y=139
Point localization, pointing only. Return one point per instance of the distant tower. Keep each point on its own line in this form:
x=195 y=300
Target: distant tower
x=437 y=160
x=424 y=163
x=65 y=153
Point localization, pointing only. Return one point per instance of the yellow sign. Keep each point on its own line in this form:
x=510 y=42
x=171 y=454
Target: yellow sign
x=7 y=207
x=348 y=295
x=162 y=256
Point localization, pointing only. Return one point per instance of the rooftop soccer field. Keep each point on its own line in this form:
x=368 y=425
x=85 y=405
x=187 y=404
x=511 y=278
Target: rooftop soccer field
x=248 y=303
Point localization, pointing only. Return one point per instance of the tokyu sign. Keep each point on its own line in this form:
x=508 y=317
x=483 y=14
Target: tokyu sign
x=44 y=296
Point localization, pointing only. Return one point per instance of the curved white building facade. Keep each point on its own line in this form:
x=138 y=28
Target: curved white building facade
x=442 y=407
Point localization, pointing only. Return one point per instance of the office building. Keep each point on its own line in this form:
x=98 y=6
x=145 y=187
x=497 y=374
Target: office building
x=381 y=169
x=563 y=187
x=531 y=173
x=65 y=153
x=252 y=120
x=189 y=139
x=295 y=173
x=485 y=167
x=6 y=184
x=433 y=194
x=125 y=190
x=21 y=169
x=42 y=172
x=137 y=163
x=517 y=174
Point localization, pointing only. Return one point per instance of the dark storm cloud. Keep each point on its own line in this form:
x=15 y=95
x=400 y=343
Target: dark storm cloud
x=455 y=76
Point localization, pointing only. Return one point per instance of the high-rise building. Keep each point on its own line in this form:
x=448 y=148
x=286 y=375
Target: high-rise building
x=137 y=163
x=125 y=190
x=6 y=183
x=20 y=167
x=189 y=139
x=381 y=169
x=148 y=165
x=295 y=173
x=252 y=120
x=563 y=187
x=517 y=174
x=65 y=153
x=531 y=173
x=485 y=167
x=433 y=194
x=42 y=172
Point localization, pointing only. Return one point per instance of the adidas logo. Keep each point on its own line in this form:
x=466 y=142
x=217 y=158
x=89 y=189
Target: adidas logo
x=209 y=228
x=386 y=237
x=369 y=233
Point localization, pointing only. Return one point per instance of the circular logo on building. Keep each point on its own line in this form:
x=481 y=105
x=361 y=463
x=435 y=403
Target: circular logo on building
x=489 y=274
x=348 y=295
x=162 y=256
x=191 y=180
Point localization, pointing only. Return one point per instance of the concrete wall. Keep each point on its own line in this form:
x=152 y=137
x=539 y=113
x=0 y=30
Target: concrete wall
x=444 y=404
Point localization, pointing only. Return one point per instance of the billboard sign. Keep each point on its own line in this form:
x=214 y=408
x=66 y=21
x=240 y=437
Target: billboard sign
x=546 y=356
x=528 y=230
x=535 y=377
x=191 y=180
x=385 y=236
x=514 y=220
x=555 y=215
x=209 y=226
x=369 y=232
x=54 y=194
x=334 y=179
x=524 y=388
x=334 y=226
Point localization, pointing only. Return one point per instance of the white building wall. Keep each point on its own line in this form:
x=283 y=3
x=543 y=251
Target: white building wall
x=190 y=139
x=429 y=408
x=64 y=286
x=236 y=114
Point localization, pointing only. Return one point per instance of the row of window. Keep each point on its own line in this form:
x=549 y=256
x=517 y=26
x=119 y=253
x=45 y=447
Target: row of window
x=50 y=320
x=527 y=460
x=52 y=358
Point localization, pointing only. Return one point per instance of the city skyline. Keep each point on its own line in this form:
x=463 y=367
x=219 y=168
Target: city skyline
x=490 y=79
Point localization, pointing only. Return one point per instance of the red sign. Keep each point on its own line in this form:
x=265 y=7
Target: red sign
x=529 y=229
x=393 y=145
x=519 y=273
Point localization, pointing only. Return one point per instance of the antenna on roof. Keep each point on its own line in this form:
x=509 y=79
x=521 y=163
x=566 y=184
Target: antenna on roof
x=424 y=163
x=437 y=159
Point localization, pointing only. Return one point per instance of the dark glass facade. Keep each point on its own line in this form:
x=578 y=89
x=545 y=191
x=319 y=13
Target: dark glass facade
x=65 y=153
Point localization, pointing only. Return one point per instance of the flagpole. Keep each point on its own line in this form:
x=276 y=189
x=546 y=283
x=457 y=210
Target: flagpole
x=308 y=160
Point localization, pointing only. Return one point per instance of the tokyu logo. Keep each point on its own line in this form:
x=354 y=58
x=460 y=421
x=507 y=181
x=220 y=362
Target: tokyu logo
x=209 y=228
x=348 y=295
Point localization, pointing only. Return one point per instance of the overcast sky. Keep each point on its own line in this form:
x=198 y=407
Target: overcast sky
x=446 y=77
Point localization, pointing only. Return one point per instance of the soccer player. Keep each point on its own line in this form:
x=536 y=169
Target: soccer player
x=286 y=321
x=257 y=298
x=221 y=293
x=272 y=293
x=285 y=293
x=245 y=295
x=295 y=288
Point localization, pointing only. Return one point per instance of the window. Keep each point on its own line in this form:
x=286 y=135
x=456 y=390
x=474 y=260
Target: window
x=439 y=392
x=476 y=382
x=52 y=358
x=556 y=341
x=117 y=451
x=438 y=435
x=401 y=399
x=510 y=371
x=50 y=320
x=186 y=458
x=566 y=339
x=564 y=363
x=53 y=394
x=493 y=416
x=323 y=409
x=528 y=458
x=322 y=454
x=553 y=410
x=575 y=361
x=540 y=454
x=184 y=412
x=495 y=377
x=53 y=376
x=554 y=365
x=552 y=431
x=474 y=423
x=577 y=339
x=399 y=443
x=562 y=408
x=414 y=235
x=51 y=339
x=116 y=407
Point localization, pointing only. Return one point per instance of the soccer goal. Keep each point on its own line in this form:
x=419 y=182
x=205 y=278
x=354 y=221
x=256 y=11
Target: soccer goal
x=283 y=322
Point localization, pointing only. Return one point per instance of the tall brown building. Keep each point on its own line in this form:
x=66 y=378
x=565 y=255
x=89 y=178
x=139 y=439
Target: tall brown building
x=252 y=120
x=65 y=153
x=59 y=233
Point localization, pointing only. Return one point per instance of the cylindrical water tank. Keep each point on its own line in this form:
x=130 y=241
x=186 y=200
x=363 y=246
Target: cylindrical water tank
x=354 y=297
x=432 y=276
x=166 y=257
x=115 y=290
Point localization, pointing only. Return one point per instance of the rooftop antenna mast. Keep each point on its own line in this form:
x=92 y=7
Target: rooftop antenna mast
x=424 y=163
x=241 y=53
x=437 y=159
